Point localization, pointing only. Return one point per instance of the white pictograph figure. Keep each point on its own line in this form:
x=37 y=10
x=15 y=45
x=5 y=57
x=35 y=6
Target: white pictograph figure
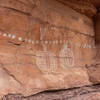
x=66 y=57
x=46 y=61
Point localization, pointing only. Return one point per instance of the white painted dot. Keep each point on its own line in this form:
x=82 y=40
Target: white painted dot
x=37 y=41
x=4 y=34
x=46 y=42
x=54 y=42
x=60 y=41
x=32 y=41
x=29 y=41
x=9 y=35
x=57 y=41
x=13 y=36
x=20 y=38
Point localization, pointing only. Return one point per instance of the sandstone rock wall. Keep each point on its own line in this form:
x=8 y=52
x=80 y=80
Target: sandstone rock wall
x=97 y=28
x=86 y=7
x=44 y=45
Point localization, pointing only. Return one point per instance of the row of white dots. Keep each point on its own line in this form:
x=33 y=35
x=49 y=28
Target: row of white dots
x=12 y=36
x=45 y=41
x=33 y=41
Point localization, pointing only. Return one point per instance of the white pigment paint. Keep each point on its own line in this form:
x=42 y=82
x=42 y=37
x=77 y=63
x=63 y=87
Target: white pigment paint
x=9 y=35
x=20 y=38
x=4 y=34
x=46 y=61
x=13 y=37
x=66 y=57
x=46 y=42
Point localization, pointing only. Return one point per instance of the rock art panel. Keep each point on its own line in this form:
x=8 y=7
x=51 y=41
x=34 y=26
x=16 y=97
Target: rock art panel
x=35 y=48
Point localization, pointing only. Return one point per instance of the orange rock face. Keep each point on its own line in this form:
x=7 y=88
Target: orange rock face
x=44 y=45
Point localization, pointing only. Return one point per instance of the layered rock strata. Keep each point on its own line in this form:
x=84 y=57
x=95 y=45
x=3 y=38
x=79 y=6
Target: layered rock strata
x=83 y=93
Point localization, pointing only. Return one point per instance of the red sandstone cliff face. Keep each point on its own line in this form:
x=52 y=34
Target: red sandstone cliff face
x=44 y=45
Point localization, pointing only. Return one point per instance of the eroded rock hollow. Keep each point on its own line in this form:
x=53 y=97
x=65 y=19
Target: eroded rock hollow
x=48 y=45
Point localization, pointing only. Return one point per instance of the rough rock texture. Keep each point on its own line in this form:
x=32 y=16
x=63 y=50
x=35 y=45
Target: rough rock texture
x=82 y=6
x=44 y=45
x=83 y=93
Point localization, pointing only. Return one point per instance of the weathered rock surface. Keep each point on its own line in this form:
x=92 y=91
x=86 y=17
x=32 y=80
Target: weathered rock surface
x=83 y=93
x=44 y=45
x=87 y=7
x=94 y=73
